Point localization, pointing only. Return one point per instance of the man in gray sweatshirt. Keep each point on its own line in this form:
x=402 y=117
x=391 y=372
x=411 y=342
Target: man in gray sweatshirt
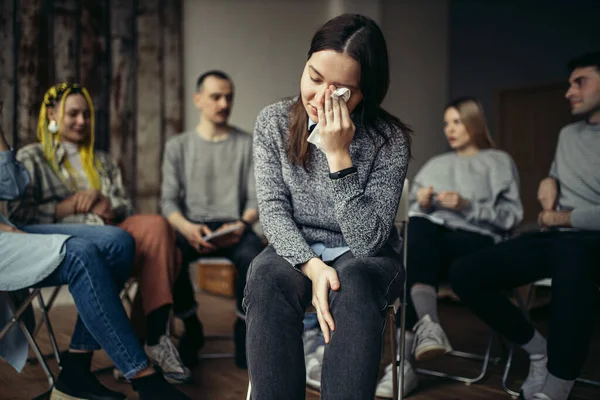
x=567 y=250
x=208 y=186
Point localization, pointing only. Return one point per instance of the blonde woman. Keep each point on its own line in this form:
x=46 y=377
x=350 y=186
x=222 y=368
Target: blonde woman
x=461 y=201
x=75 y=188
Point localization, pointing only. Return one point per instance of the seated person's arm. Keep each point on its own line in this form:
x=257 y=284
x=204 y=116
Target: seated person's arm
x=274 y=199
x=31 y=208
x=117 y=205
x=13 y=176
x=548 y=193
x=170 y=192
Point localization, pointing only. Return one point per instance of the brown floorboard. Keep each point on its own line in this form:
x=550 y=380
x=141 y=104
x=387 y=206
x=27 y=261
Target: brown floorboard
x=221 y=380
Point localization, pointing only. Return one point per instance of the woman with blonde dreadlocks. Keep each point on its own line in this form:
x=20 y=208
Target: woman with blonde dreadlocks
x=73 y=187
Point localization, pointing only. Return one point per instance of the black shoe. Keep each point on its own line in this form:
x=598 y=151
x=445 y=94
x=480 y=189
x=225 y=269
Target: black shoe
x=155 y=387
x=239 y=338
x=191 y=342
x=85 y=387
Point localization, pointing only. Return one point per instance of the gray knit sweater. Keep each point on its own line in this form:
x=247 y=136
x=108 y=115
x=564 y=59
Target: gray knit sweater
x=300 y=207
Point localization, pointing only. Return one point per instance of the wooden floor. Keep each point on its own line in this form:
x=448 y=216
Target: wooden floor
x=221 y=380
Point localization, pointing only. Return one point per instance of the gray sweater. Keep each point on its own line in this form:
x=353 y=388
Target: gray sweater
x=488 y=180
x=208 y=181
x=576 y=166
x=300 y=207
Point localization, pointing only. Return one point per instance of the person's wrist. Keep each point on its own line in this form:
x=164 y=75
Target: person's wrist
x=339 y=160
x=244 y=224
x=309 y=267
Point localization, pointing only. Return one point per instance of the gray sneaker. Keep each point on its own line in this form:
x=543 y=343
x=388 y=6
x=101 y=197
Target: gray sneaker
x=165 y=356
x=385 y=387
x=314 y=363
x=430 y=340
x=536 y=377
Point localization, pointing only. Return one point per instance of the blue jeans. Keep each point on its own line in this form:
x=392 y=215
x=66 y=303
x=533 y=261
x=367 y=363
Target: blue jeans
x=117 y=249
x=102 y=318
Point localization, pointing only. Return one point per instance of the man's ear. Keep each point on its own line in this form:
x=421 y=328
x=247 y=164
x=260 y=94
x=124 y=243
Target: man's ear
x=197 y=100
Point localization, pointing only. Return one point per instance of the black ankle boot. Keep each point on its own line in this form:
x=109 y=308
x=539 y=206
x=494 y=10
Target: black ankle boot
x=81 y=384
x=239 y=338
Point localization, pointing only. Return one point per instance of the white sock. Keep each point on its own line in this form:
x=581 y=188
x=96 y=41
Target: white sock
x=556 y=388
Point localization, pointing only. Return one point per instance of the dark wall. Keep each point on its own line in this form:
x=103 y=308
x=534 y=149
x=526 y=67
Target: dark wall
x=501 y=44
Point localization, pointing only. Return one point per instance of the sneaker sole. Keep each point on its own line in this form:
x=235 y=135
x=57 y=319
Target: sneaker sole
x=58 y=395
x=173 y=381
x=385 y=394
x=431 y=352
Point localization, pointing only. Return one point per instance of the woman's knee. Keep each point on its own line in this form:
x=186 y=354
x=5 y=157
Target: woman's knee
x=81 y=255
x=116 y=239
x=155 y=223
x=269 y=277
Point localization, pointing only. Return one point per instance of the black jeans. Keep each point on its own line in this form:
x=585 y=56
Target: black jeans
x=431 y=250
x=571 y=259
x=241 y=255
x=276 y=298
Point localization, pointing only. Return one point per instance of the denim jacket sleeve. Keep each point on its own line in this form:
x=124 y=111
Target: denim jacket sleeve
x=13 y=176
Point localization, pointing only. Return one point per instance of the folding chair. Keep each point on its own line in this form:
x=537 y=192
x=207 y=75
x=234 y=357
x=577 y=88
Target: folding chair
x=485 y=359
x=524 y=306
x=18 y=308
x=398 y=387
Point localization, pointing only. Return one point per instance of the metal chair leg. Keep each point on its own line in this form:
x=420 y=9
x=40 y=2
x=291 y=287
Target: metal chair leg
x=17 y=313
x=486 y=358
x=392 y=333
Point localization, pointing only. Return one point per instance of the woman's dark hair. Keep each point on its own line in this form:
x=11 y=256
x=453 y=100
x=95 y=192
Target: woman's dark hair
x=360 y=38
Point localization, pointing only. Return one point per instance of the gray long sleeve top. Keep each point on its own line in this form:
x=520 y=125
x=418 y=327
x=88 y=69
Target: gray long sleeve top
x=489 y=180
x=299 y=207
x=576 y=167
x=208 y=181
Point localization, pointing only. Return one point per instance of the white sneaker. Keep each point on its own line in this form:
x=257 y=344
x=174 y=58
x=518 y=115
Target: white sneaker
x=536 y=377
x=314 y=364
x=165 y=356
x=311 y=339
x=385 y=387
x=430 y=340
x=541 y=396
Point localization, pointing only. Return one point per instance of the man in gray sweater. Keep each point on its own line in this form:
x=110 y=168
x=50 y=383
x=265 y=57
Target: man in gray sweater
x=567 y=251
x=208 y=186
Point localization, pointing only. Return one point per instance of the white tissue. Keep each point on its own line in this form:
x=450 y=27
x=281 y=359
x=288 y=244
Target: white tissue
x=314 y=138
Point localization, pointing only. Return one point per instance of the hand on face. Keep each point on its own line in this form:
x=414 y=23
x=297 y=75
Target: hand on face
x=335 y=126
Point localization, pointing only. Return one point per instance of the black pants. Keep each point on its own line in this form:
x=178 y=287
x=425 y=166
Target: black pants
x=241 y=255
x=431 y=250
x=277 y=296
x=571 y=259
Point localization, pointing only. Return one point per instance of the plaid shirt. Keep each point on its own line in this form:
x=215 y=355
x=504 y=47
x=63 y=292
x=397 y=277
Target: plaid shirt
x=46 y=190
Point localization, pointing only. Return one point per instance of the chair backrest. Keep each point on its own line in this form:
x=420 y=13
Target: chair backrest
x=402 y=214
